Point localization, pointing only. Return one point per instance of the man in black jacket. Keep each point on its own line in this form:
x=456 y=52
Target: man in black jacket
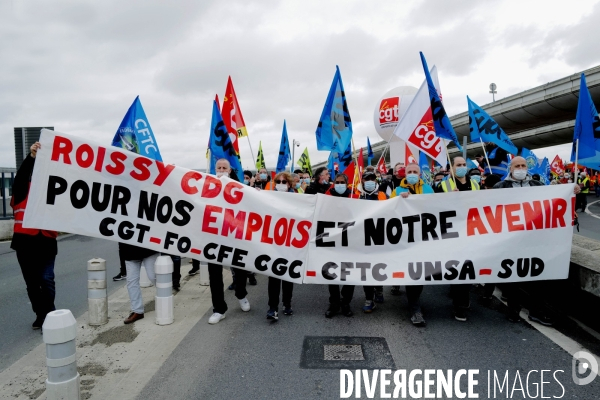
x=320 y=183
x=36 y=248
x=517 y=178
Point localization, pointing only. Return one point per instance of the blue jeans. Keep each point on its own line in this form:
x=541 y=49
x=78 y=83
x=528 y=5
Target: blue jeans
x=133 y=280
x=39 y=278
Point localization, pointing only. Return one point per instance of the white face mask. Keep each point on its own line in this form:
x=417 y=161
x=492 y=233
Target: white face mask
x=519 y=174
x=220 y=174
x=281 y=187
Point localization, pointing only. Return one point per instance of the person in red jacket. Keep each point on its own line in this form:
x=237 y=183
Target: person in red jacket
x=36 y=248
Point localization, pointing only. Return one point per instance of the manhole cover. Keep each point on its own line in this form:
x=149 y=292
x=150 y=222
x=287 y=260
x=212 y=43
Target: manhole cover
x=342 y=352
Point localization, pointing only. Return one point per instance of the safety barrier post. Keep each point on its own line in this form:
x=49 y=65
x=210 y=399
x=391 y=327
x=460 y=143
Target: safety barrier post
x=59 y=333
x=163 y=268
x=97 y=296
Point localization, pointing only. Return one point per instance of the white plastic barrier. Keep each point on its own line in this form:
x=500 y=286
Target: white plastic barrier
x=163 y=268
x=97 y=296
x=60 y=330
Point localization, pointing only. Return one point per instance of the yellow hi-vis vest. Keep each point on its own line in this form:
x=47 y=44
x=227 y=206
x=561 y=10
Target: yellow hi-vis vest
x=449 y=185
x=584 y=181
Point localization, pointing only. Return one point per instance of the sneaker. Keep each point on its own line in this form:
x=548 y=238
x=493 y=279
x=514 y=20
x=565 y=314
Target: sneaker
x=332 y=311
x=288 y=311
x=460 y=315
x=417 y=319
x=215 y=318
x=379 y=297
x=395 y=291
x=194 y=271
x=542 y=319
x=119 y=277
x=252 y=280
x=245 y=304
x=346 y=311
x=39 y=321
x=369 y=306
x=272 y=314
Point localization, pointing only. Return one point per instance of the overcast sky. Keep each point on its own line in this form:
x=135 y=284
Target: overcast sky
x=78 y=65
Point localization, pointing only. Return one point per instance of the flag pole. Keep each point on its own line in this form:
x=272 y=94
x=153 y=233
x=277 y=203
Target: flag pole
x=449 y=163
x=208 y=161
x=251 y=151
x=486 y=156
x=576 y=158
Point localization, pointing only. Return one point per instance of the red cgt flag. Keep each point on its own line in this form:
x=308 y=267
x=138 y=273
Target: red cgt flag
x=381 y=166
x=232 y=116
x=557 y=168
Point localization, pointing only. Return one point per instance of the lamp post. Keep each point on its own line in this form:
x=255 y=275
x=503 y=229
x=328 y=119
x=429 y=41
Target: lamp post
x=493 y=91
x=295 y=143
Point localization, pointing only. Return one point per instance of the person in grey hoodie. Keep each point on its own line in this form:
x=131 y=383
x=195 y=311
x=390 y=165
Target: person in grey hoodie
x=517 y=178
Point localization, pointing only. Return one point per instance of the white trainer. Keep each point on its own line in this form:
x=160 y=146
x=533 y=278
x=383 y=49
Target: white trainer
x=215 y=318
x=245 y=304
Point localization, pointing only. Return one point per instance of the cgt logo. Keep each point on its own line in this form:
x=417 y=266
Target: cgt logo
x=584 y=362
x=388 y=110
x=424 y=136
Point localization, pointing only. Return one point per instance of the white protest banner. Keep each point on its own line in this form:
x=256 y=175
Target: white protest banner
x=508 y=235
x=502 y=235
x=89 y=189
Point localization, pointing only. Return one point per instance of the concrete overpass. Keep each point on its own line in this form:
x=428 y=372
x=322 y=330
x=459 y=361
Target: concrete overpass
x=539 y=117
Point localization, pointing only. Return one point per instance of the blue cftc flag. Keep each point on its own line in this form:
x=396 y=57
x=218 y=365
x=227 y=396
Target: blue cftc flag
x=334 y=131
x=484 y=128
x=220 y=146
x=134 y=133
x=587 y=129
x=426 y=174
x=284 y=151
x=345 y=158
x=370 y=154
x=441 y=123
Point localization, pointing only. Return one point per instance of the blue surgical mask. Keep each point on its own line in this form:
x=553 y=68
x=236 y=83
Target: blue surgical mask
x=297 y=185
x=412 y=179
x=307 y=180
x=369 y=185
x=246 y=182
x=263 y=176
x=476 y=178
x=461 y=172
x=340 y=188
x=325 y=181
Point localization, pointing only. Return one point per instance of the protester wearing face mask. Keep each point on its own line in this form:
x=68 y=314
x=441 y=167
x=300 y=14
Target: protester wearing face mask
x=297 y=184
x=283 y=183
x=305 y=180
x=215 y=271
x=398 y=175
x=475 y=174
x=248 y=178
x=370 y=191
x=517 y=178
x=410 y=186
x=581 y=199
x=459 y=181
x=320 y=183
x=339 y=301
x=437 y=179
x=341 y=188
x=262 y=179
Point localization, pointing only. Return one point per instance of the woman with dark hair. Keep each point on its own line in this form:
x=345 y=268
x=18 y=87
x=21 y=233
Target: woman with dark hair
x=283 y=183
x=320 y=183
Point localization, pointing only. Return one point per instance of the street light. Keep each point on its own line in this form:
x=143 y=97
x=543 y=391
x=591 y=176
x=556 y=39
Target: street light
x=295 y=143
x=493 y=91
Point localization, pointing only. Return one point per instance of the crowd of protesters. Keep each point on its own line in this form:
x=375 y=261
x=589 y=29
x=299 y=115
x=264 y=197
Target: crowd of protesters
x=401 y=181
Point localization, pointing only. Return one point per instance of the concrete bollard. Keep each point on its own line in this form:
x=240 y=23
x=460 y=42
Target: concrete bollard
x=97 y=296
x=163 y=268
x=204 y=281
x=144 y=280
x=60 y=331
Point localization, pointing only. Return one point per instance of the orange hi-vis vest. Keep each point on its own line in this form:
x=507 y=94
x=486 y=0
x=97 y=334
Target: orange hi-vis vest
x=19 y=213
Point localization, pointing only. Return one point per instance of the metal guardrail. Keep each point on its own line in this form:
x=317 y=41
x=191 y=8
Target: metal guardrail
x=6 y=194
